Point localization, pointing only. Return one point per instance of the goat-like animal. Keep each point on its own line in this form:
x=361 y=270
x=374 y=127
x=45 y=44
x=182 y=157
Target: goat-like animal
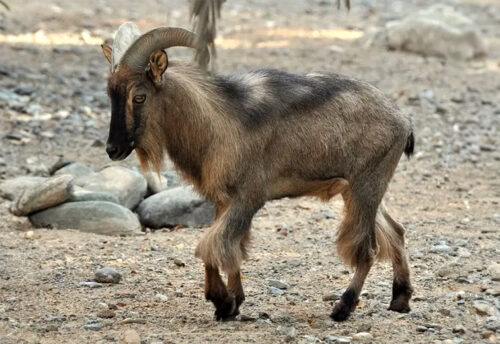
x=248 y=138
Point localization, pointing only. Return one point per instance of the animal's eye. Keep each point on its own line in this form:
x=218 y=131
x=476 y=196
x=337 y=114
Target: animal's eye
x=139 y=99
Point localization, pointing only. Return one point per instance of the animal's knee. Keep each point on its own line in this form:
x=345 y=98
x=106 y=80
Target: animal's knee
x=217 y=251
x=355 y=247
x=223 y=245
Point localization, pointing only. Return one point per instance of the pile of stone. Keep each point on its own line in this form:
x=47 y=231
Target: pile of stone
x=113 y=201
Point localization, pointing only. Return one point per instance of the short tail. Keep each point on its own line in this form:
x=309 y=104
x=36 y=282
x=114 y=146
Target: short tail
x=410 y=145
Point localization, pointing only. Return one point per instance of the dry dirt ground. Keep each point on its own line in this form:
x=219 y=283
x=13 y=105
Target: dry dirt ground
x=447 y=196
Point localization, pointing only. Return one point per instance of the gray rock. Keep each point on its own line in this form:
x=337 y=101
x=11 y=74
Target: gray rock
x=106 y=314
x=53 y=318
x=441 y=248
x=93 y=216
x=12 y=188
x=130 y=336
x=495 y=291
x=107 y=275
x=421 y=329
x=362 y=337
x=278 y=284
x=129 y=186
x=161 y=297
x=331 y=297
x=311 y=339
x=93 y=326
x=337 y=339
x=49 y=193
x=482 y=308
x=177 y=206
x=438 y=31
x=76 y=169
x=494 y=271
x=275 y=291
x=493 y=323
x=289 y=332
x=179 y=262
x=79 y=194
x=90 y=284
x=463 y=252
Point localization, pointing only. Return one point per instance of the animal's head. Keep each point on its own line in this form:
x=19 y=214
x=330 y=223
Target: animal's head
x=134 y=83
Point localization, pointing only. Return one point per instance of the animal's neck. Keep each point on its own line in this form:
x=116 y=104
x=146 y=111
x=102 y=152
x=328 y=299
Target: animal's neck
x=191 y=117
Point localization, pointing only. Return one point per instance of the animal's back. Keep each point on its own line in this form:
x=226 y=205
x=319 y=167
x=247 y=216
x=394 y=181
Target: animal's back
x=329 y=114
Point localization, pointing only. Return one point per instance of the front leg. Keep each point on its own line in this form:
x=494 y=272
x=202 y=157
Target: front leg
x=236 y=288
x=223 y=246
x=216 y=291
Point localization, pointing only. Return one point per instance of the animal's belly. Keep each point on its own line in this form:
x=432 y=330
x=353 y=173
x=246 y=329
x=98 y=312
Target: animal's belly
x=293 y=187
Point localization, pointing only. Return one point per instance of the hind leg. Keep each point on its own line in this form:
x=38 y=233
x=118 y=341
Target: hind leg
x=350 y=298
x=401 y=285
x=357 y=246
x=359 y=238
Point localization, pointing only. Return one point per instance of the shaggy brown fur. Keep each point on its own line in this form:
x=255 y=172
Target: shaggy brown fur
x=248 y=138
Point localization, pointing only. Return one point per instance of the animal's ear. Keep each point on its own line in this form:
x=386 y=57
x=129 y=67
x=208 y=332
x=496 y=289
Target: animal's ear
x=108 y=51
x=158 y=62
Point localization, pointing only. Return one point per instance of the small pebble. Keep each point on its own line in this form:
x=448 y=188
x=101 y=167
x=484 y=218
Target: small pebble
x=442 y=248
x=460 y=329
x=362 y=337
x=243 y=317
x=132 y=321
x=130 y=336
x=106 y=314
x=289 y=332
x=161 y=297
x=275 y=291
x=278 y=284
x=331 y=297
x=421 y=329
x=179 y=262
x=29 y=235
x=90 y=284
x=107 y=275
x=483 y=308
x=311 y=339
x=337 y=339
x=494 y=271
x=93 y=326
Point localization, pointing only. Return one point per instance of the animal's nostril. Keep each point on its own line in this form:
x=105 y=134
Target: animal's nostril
x=111 y=150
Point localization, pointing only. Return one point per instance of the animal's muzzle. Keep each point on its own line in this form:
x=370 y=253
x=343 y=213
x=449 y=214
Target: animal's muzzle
x=118 y=152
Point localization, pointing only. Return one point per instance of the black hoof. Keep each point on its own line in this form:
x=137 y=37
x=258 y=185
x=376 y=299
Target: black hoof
x=400 y=305
x=341 y=312
x=226 y=309
x=401 y=295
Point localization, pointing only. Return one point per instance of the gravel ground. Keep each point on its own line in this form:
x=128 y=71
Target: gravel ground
x=53 y=102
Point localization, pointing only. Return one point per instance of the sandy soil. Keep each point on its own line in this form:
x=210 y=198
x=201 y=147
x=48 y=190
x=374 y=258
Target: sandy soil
x=447 y=196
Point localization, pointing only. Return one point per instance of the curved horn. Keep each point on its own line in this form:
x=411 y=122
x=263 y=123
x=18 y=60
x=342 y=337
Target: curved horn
x=137 y=55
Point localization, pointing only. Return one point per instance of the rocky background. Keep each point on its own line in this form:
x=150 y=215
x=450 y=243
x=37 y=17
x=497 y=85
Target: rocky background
x=97 y=252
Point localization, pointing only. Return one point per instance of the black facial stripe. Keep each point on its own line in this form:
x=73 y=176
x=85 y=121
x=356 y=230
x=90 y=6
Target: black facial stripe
x=137 y=110
x=118 y=133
